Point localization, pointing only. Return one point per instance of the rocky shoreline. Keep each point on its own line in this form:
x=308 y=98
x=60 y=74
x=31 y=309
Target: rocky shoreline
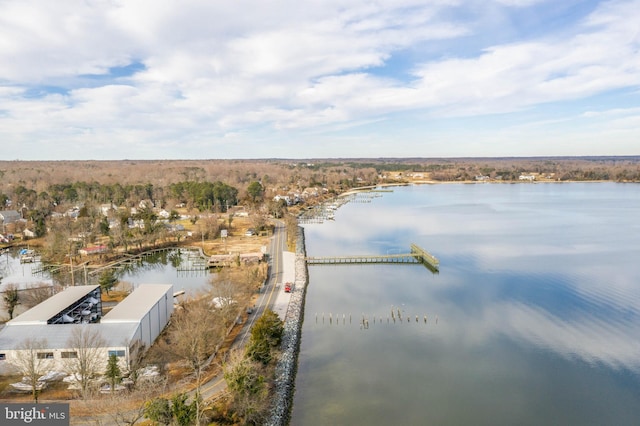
x=288 y=362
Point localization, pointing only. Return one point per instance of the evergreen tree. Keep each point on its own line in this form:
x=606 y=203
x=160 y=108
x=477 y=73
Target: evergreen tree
x=159 y=411
x=113 y=372
x=104 y=226
x=255 y=192
x=265 y=335
x=184 y=414
x=108 y=280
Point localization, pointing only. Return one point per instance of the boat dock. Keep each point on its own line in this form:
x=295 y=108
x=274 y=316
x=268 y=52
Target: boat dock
x=417 y=255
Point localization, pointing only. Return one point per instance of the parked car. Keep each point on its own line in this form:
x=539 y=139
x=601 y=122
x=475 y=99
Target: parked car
x=287 y=287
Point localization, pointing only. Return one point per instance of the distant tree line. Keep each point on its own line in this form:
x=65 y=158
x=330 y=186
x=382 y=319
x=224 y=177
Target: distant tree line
x=214 y=184
x=205 y=195
x=38 y=189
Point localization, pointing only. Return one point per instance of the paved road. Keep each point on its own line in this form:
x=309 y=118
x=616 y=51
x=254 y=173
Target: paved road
x=270 y=295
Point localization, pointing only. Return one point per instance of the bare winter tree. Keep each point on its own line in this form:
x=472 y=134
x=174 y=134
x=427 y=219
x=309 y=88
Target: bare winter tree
x=86 y=359
x=224 y=292
x=233 y=287
x=123 y=408
x=246 y=380
x=32 y=360
x=209 y=226
x=195 y=335
x=11 y=299
x=36 y=294
x=259 y=221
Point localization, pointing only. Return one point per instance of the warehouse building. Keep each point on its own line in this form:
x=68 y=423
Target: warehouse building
x=140 y=317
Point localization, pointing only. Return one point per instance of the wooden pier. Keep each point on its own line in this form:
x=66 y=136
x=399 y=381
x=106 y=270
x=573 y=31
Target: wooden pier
x=417 y=255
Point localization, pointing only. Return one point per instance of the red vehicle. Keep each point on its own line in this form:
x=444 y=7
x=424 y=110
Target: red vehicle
x=287 y=287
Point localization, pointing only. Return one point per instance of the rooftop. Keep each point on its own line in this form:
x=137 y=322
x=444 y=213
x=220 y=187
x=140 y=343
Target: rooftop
x=59 y=336
x=57 y=303
x=136 y=305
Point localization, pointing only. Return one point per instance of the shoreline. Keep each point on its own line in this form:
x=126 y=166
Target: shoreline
x=287 y=365
x=472 y=182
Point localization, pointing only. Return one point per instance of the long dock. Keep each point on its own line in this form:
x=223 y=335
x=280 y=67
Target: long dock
x=417 y=255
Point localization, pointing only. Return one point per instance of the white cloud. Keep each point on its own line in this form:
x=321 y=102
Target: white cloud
x=214 y=67
x=512 y=76
x=520 y=3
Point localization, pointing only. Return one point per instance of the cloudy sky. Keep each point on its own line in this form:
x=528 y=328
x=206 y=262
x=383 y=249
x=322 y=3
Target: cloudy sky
x=156 y=79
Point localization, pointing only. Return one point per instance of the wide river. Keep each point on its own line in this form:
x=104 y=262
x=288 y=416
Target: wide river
x=533 y=318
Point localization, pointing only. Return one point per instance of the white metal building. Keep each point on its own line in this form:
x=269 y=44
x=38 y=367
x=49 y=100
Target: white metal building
x=139 y=317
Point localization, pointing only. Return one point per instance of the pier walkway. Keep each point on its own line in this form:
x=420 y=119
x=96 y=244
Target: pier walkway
x=417 y=255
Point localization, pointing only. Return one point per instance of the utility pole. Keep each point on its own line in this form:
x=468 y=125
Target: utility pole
x=71 y=263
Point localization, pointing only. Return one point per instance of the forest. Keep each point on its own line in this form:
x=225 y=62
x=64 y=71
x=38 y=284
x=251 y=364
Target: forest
x=118 y=203
x=46 y=182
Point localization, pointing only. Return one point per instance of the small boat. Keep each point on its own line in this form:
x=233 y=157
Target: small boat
x=52 y=376
x=27 y=387
x=116 y=388
x=27 y=256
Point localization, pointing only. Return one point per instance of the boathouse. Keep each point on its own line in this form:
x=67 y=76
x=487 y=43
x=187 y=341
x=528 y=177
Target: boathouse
x=140 y=317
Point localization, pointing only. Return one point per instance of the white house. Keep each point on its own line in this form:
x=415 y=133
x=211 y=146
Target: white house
x=106 y=208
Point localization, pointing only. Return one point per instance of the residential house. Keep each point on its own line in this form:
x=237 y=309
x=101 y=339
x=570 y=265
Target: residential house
x=106 y=208
x=9 y=216
x=93 y=250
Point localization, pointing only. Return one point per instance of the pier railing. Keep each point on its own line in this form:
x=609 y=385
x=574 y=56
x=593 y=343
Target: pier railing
x=417 y=255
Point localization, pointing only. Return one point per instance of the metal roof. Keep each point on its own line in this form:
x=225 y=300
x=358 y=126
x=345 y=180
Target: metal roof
x=136 y=305
x=58 y=336
x=9 y=216
x=40 y=313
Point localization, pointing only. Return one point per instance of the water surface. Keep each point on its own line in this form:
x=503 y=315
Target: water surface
x=180 y=267
x=537 y=304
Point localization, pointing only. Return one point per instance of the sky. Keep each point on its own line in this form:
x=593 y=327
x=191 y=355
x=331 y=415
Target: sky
x=205 y=79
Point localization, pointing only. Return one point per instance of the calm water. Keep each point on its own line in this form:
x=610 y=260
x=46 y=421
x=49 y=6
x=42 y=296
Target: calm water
x=169 y=267
x=537 y=301
x=20 y=275
x=177 y=267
